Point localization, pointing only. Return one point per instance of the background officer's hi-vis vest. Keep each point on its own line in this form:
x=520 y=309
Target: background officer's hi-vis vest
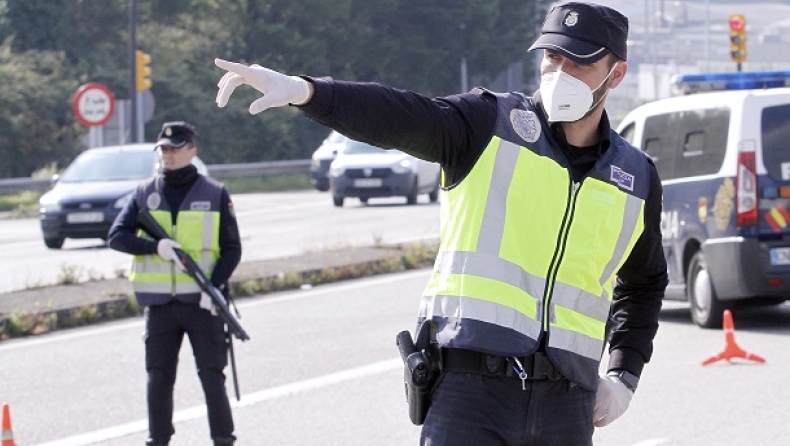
x=156 y=281
x=526 y=252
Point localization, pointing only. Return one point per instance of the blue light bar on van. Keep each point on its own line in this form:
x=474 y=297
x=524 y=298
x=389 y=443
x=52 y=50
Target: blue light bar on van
x=694 y=83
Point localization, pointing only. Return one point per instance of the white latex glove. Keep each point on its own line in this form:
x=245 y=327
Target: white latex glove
x=611 y=400
x=166 y=250
x=207 y=304
x=278 y=89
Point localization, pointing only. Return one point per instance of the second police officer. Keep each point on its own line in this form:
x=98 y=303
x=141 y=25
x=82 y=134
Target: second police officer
x=197 y=213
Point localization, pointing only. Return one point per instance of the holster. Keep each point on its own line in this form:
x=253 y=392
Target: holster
x=420 y=371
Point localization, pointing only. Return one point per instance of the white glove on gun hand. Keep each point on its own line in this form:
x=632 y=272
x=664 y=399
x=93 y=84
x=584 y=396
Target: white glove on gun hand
x=278 y=89
x=166 y=250
x=611 y=400
x=207 y=304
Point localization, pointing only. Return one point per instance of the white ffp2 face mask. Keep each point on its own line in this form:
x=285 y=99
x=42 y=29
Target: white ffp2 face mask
x=565 y=98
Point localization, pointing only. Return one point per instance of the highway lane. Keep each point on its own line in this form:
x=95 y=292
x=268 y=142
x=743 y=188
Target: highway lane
x=322 y=369
x=272 y=225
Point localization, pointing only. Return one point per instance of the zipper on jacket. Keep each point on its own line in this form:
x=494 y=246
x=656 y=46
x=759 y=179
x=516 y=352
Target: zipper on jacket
x=559 y=251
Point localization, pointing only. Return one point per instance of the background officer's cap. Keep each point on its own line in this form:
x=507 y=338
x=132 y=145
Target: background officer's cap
x=584 y=32
x=176 y=134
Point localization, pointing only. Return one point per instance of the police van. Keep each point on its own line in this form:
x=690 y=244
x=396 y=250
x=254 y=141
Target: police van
x=722 y=151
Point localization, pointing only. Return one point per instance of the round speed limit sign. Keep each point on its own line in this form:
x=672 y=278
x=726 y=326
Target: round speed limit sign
x=93 y=104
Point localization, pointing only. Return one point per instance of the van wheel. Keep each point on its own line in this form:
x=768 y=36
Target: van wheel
x=337 y=200
x=363 y=200
x=53 y=243
x=706 y=308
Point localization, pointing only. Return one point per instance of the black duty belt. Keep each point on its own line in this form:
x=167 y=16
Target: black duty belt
x=536 y=366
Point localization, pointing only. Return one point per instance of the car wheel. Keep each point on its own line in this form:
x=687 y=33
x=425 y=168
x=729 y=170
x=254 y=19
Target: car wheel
x=412 y=197
x=53 y=243
x=322 y=188
x=433 y=196
x=706 y=308
x=337 y=200
x=363 y=200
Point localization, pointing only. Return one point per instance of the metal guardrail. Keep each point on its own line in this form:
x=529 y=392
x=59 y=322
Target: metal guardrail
x=218 y=171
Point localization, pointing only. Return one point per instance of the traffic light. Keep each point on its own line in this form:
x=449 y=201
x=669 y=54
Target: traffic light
x=738 y=38
x=143 y=70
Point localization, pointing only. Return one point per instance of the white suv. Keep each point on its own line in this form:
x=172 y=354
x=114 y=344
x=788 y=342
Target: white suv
x=724 y=160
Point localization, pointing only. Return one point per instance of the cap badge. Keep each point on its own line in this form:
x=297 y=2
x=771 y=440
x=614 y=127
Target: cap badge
x=169 y=131
x=571 y=19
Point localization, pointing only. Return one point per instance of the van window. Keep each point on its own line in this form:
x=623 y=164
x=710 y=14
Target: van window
x=687 y=143
x=702 y=141
x=776 y=139
x=659 y=141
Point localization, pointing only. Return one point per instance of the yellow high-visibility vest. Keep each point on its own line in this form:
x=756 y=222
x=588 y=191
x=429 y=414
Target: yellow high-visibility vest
x=526 y=252
x=156 y=281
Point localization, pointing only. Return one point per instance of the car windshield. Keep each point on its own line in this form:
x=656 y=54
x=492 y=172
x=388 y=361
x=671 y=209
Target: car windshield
x=98 y=165
x=356 y=147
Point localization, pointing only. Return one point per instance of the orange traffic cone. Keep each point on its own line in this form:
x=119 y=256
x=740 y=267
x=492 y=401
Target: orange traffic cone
x=7 y=435
x=731 y=349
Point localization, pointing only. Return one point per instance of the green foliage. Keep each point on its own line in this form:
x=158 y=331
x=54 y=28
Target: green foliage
x=48 y=49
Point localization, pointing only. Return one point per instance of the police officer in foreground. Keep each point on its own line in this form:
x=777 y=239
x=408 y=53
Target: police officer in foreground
x=550 y=232
x=197 y=213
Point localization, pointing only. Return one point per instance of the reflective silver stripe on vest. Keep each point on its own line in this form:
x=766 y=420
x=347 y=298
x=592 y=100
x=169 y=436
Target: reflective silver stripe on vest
x=493 y=225
x=631 y=214
x=577 y=343
x=450 y=307
x=159 y=288
x=208 y=231
x=475 y=264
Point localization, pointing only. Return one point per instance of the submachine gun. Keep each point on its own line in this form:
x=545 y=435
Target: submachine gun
x=147 y=223
x=421 y=369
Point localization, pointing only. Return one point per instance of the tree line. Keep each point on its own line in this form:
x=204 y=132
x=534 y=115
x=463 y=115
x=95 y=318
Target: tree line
x=48 y=48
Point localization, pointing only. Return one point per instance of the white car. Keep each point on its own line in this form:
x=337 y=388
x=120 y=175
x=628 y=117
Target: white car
x=365 y=171
x=323 y=157
x=94 y=188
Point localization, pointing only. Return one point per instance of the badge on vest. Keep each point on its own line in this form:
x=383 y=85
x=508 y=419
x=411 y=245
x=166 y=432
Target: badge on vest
x=525 y=124
x=622 y=178
x=200 y=206
x=153 y=200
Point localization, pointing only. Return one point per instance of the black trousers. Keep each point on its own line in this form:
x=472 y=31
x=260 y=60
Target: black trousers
x=165 y=326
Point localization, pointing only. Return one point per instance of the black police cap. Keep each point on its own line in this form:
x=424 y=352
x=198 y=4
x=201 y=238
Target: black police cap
x=584 y=32
x=176 y=134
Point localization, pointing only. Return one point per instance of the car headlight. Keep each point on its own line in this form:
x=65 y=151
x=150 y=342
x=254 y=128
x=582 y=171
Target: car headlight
x=403 y=166
x=123 y=201
x=336 y=171
x=49 y=203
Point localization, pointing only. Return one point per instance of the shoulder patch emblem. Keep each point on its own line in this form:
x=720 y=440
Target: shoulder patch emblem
x=622 y=178
x=525 y=124
x=153 y=201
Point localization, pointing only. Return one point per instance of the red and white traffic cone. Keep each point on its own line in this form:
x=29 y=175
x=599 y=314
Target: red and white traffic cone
x=6 y=435
x=731 y=348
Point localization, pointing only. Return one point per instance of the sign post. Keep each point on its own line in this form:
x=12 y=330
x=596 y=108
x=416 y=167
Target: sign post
x=93 y=104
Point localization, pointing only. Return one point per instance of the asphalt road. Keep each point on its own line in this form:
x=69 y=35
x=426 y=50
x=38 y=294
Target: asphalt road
x=322 y=369
x=272 y=225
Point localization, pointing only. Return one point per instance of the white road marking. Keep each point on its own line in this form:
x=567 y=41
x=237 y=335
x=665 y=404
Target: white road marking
x=197 y=412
